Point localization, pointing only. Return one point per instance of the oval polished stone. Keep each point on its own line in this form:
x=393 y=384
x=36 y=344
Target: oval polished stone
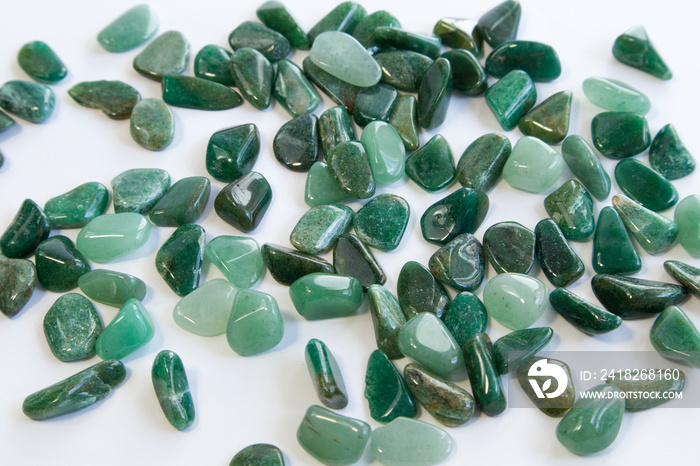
x=549 y=121
x=139 y=189
x=511 y=98
x=349 y=165
x=613 y=250
x=687 y=217
x=515 y=300
x=459 y=33
x=500 y=23
x=182 y=203
x=17 y=280
x=59 y=264
x=419 y=291
x=540 y=61
x=33 y=102
x=261 y=453
x=386 y=152
x=669 y=156
x=386 y=391
x=275 y=15
x=212 y=62
x=533 y=166
x=288 y=265
x=296 y=144
x=645 y=185
x=244 y=202
x=173 y=389
x=352 y=258
x=635 y=298
x=111 y=288
x=426 y=340
x=387 y=318
x=318 y=229
x=483 y=375
x=133 y=28
x=559 y=262
x=434 y=94
x=584 y=163
x=253 y=74
x=237 y=257
x=583 y=315
x=293 y=90
x=255 y=324
x=332 y=438
x=273 y=45
x=648 y=388
x=515 y=348
x=618 y=135
x=325 y=375
x=633 y=48
x=152 y=124
x=432 y=167
x=468 y=76
x=675 y=337
x=344 y=57
x=28 y=228
x=198 y=93
x=555 y=406
x=169 y=53
x=40 y=62
x=382 y=221
x=481 y=164
x=232 y=152
x=179 y=259
x=71 y=327
x=460 y=264
x=131 y=329
x=615 y=96
x=403 y=69
x=459 y=212
x=206 y=310
x=655 y=233
x=322 y=188
x=324 y=296
x=571 y=207
x=410 y=441
x=78 y=206
x=111 y=236
x=510 y=247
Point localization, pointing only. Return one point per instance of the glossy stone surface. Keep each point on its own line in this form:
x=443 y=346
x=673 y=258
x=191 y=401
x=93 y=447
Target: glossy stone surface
x=460 y=264
x=615 y=96
x=425 y=44
x=293 y=90
x=645 y=185
x=28 y=228
x=483 y=375
x=198 y=93
x=533 y=166
x=139 y=189
x=325 y=296
x=345 y=17
x=169 y=53
x=465 y=317
x=131 y=329
x=260 y=454
x=232 y=152
x=325 y=375
x=288 y=265
x=407 y=441
x=687 y=217
x=387 y=318
x=633 y=48
x=613 y=251
x=592 y=423
x=76 y=392
x=511 y=98
x=332 y=438
x=374 y=103
x=352 y=258
x=115 y=99
x=482 y=162
x=39 y=61
x=30 y=101
x=515 y=300
x=344 y=57
x=206 y=310
x=636 y=298
x=334 y=127
x=434 y=94
x=386 y=391
x=111 y=288
x=432 y=166
x=78 y=206
x=133 y=28
x=540 y=61
x=322 y=188
x=71 y=327
x=253 y=75
x=686 y=274
x=111 y=236
x=349 y=164
x=549 y=121
x=571 y=207
x=584 y=163
x=404 y=118
x=179 y=259
x=237 y=257
x=669 y=156
x=459 y=33
x=510 y=247
x=655 y=233
x=182 y=203
x=468 y=76
x=513 y=349
x=618 y=135
x=555 y=406
x=244 y=202
x=296 y=144
x=255 y=324
x=500 y=23
x=559 y=262
x=212 y=62
x=675 y=337
x=457 y=213
x=365 y=31
x=173 y=389
x=152 y=124
x=273 y=45
x=647 y=383
x=275 y=16
x=59 y=264
x=403 y=69
x=5 y=122
x=318 y=229
x=17 y=280
x=385 y=150
x=426 y=340
x=448 y=403
x=339 y=91
x=382 y=221
x=419 y=291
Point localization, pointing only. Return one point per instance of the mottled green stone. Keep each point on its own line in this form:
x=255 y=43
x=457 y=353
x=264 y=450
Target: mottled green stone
x=232 y=152
x=460 y=264
x=419 y=291
x=288 y=265
x=273 y=45
x=387 y=318
x=540 y=61
x=510 y=247
x=468 y=76
x=212 y=62
x=404 y=118
x=407 y=441
x=686 y=274
x=352 y=258
x=459 y=33
x=131 y=329
x=206 y=310
x=386 y=391
x=533 y=165
x=78 y=206
x=584 y=163
x=613 y=251
x=349 y=164
x=655 y=233
x=618 y=135
x=59 y=264
x=275 y=16
x=293 y=90
x=365 y=30
x=78 y=391
x=238 y=258
x=40 y=62
x=324 y=295
x=403 y=69
x=395 y=37
x=645 y=185
x=182 y=203
x=669 y=156
x=687 y=217
x=6 y=122
x=322 y=188
x=675 y=337
x=432 y=167
x=318 y=229
x=459 y=212
x=332 y=438
x=571 y=207
x=636 y=298
x=139 y=189
x=179 y=259
x=549 y=120
x=559 y=262
x=483 y=375
x=339 y=91
x=111 y=288
x=325 y=375
x=344 y=17
x=434 y=94
x=260 y=454
x=344 y=57
x=615 y=96
x=198 y=93
x=426 y=340
x=173 y=389
x=374 y=103
x=255 y=324
x=465 y=317
x=335 y=127
x=111 y=236
x=115 y=99
x=71 y=327
x=481 y=164
x=515 y=348
x=555 y=406
x=296 y=144
x=647 y=388
x=133 y=28
x=448 y=403
x=17 y=280
x=169 y=53
x=385 y=150
x=633 y=48
x=511 y=98
x=253 y=75
x=28 y=228
x=30 y=101
x=515 y=300
x=500 y=23
x=152 y=124
x=382 y=221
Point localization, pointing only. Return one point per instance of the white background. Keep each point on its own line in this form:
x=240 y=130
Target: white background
x=241 y=401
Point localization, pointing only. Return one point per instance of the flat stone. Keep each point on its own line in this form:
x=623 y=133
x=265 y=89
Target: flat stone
x=686 y=216
x=459 y=212
x=173 y=389
x=344 y=57
x=212 y=62
x=288 y=265
x=71 y=327
x=325 y=375
x=403 y=69
x=465 y=317
x=549 y=120
x=237 y=257
x=169 y=53
x=338 y=90
x=30 y=101
x=335 y=127
x=633 y=48
x=615 y=96
x=645 y=185
x=345 y=17
x=139 y=189
x=244 y=202
x=511 y=98
x=17 y=280
x=584 y=163
x=133 y=28
x=131 y=329
x=386 y=391
x=512 y=350
x=317 y=231
x=349 y=164
x=59 y=264
x=296 y=144
x=540 y=61
x=559 y=262
x=111 y=236
x=483 y=375
x=426 y=340
x=434 y=94
x=636 y=298
x=432 y=167
x=395 y=37
x=613 y=251
x=468 y=76
x=198 y=93
x=6 y=122
x=382 y=221
x=39 y=61
x=255 y=324
x=232 y=152
x=669 y=156
x=374 y=103
x=78 y=206
x=293 y=90
x=482 y=162
x=253 y=75
x=387 y=318
x=459 y=33
x=322 y=188
x=365 y=30
x=686 y=274
x=618 y=135
x=571 y=207
x=500 y=23
x=152 y=124
x=404 y=118
x=648 y=388
x=583 y=315
x=510 y=247
x=182 y=203
x=273 y=45
x=325 y=296
x=275 y=16
x=655 y=233
x=262 y=454
x=533 y=166
x=675 y=337
x=385 y=150
x=515 y=300
x=28 y=228
x=111 y=288
x=460 y=264
x=410 y=441
x=206 y=310
x=419 y=291
x=115 y=99
x=179 y=259
x=352 y=258
x=332 y=438
x=540 y=371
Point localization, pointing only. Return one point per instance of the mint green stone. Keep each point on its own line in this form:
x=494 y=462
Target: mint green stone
x=253 y=74
x=173 y=389
x=344 y=57
x=238 y=257
x=318 y=229
x=169 y=53
x=645 y=185
x=648 y=388
x=40 y=62
x=111 y=236
x=687 y=217
x=332 y=438
x=111 y=288
x=407 y=441
x=571 y=207
x=669 y=156
x=432 y=167
x=131 y=329
x=255 y=324
x=387 y=318
x=515 y=300
x=675 y=337
x=293 y=90
x=404 y=118
x=654 y=232
x=325 y=375
x=212 y=62
x=139 y=189
x=206 y=310
x=533 y=166
x=511 y=98
x=179 y=259
x=182 y=203
x=426 y=340
x=613 y=251
x=335 y=127
x=152 y=124
x=382 y=222
x=198 y=93
x=585 y=164
x=133 y=28
x=615 y=96
x=115 y=99
x=633 y=48
x=344 y=17
x=322 y=188
x=275 y=15
x=72 y=326
x=385 y=150
x=30 y=101
x=78 y=206
x=324 y=296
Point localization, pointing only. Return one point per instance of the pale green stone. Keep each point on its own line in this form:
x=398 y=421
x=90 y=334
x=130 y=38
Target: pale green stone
x=386 y=151
x=342 y=56
x=319 y=228
x=255 y=324
x=111 y=288
x=515 y=300
x=131 y=329
x=410 y=442
x=206 y=310
x=110 y=236
x=133 y=28
x=238 y=258
x=169 y=53
x=426 y=340
x=585 y=164
x=332 y=438
x=615 y=96
x=152 y=124
x=533 y=166
x=322 y=188
x=687 y=217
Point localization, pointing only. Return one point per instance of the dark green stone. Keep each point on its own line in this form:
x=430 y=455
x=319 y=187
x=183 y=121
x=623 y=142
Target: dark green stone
x=325 y=375
x=582 y=314
x=273 y=45
x=613 y=251
x=584 y=163
x=232 y=152
x=571 y=207
x=152 y=125
x=513 y=349
x=655 y=233
x=349 y=165
x=635 y=298
x=404 y=119
x=352 y=258
x=432 y=167
x=322 y=188
x=618 y=135
x=468 y=76
x=419 y=291
x=335 y=127
x=179 y=259
x=675 y=337
x=483 y=375
x=344 y=17
x=183 y=203
x=559 y=262
x=634 y=48
x=557 y=405
x=139 y=189
x=500 y=23
x=317 y=231
x=172 y=389
x=686 y=274
x=59 y=264
x=339 y=91
x=386 y=391
x=212 y=62
x=296 y=144
x=481 y=164
x=395 y=37
x=365 y=30
x=403 y=69
x=645 y=185
x=293 y=90
x=387 y=318
x=29 y=228
x=275 y=16
x=434 y=94
x=549 y=121
x=260 y=454
x=511 y=98
x=6 y=122
x=450 y=404
x=244 y=202
x=198 y=93
x=71 y=327
x=540 y=61
x=287 y=265
x=78 y=206
x=647 y=388
x=33 y=102
x=253 y=74
x=115 y=99
x=374 y=103
x=459 y=212
x=381 y=222
x=17 y=280
x=669 y=156
x=169 y=53
x=79 y=391
x=465 y=317
x=459 y=33
x=460 y=264
x=40 y=62
x=510 y=247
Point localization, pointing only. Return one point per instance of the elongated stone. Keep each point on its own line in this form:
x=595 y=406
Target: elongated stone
x=318 y=229
x=28 y=228
x=459 y=212
x=645 y=185
x=255 y=324
x=332 y=438
x=647 y=388
x=465 y=317
x=198 y=93
x=514 y=349
x=273 y=45
x=669 y=156
x=459 y=33
x=232 y=152
x=206 y=310
x=169 y=53
x=483 y=375
x=511 y=98
x=352 y=258
x=633 y=48
x=410 y=441
x=434 y=94
x=344 y=57
x=403 y=69
x=615 y=96
x=687 y=217
x=179 y=259
x=115 y=99
x=322 y=188
x=618 y=135
x=419 y=291
x=460 y=264
x=6 y=122
x=335 y=127
x=386 y=391
x=500 y=23
x=238 y=258
x=293 y=90
x=173 y=389
x=655 y=233
x=387 y=318
x=571 y=207
x=382 y=221
x=636 y=298
x=613 y=251
x=533 y=166
x=686 y=274
x=584 y=163
x=481 y=164
x=549 y=120
x=111 y=288
x=533 y=375
x=262 y=454
x=540 y=61
x=325 y=296
x=296 y=144
x=78 y=206
x=40 y=62
x=559 y=262
x=139 y=189
x=325 y=375
x=30 y=101
x=432 y=167
x=212 y=62
x=450 y=404
x=152 y=124
x=338 y=90
x=374 y=103
x=593 y=422
x=131 y=329
x=253 y=75
x=288 y=265
x=404 y=118
x=76 y=392
x=365 y=30
x=583 y=315
x=426 y=340
x=385 y=150
x=111 y=236
x=59 y=264
x=675 y=337
x=71 y=327
x=349 y=164
x=133 y=28
x=468 y=76
x=425 y=44
x=344 y=17
x=17 y=280
x=244 y=202
x=183 y=203
x=510 y=247
x=275 y=16
x=515 y=300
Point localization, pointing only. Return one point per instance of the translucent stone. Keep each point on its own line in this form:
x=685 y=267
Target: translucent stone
x=238 y=257
x=366 y=29
x=550 y=119
x=152 y=124
x=583 y=315
x=111 y=236
x=374 y=103
x=434 y=94
x=345 y=58
x=404 y=118
x=111 y=288
x=173 y=389
x=460 y=264
x=275 y=15
x=325 y=375
x=571 y=207
x=675 y=337
x=645 y=392
x=459 y=33
x=322 y=188
x=182 y=203
x=687 y=217
x=345 y=17
x=318 y=229
x=559 y=262
x=206 y=310
x=133 y=28
x=244 y=202
x=615 y=96
x=78 y=206
x=255 y=324
x=584 y=163
x=426 y=340
x=325 y=296
x=179 y=259
x=533 y=166
x=262 y=454
x=686 y=274
x=131 y=329
x=459 y=212
x=515 y=348
x=432 y=167
x=500 y=23
x=338 y=90
x=332 y=438
x=288 y=265
x=553 y=407
x=395 y=37
x=71 y=327
x=40 y=62
x=139 y=189
x=385 y=150
x=169 y=53
x=515 y=300
x=655 y=233
x=410 y=442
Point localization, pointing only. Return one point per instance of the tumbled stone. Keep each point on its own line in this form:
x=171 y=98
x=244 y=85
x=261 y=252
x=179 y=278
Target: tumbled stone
x=583 y=315
x=325 y=375
x=17 y=280
x=426 y=340
x=686 y=274
x=468 y=76
x=633 y=48
x=513 y=349
x=131 y=329
x=322 y=188
x=669 y=156
x=584 y=163
x=111 y=288
x=645 y=185
x=275 y=16
x=419 y=291
x=655 y=233
x=613 y=251
x=618 y=135
x=232 y=152
x=273 y=45
x=5 y=122
x=386 y=391
x=344 y=57
x=571 y=207
x=540 y=372
x=349 y=164
x=386 y=37
x=352 y=258
x=636 y=298
x=459 y=212
x=255 y=324
x=111 y=236
x=78 y=206
x=238 y=258
x=387 y=318
x=374 y=103
x=515 y=300
x=450 y=404
x=510 y=247
x=432 y=167
x=675 y=337
x=59 y=264
x=262 y=454
x=549 y=120
x=465 y=317
x=325 y=296
x=687 y=217
x=288 y=265
x=365 y=30
x=198 y=93
x=318 y=229
x=459 y=33
x=345 y=17
x=434 y=94
x=483 y=375
x=382 y=221
x=334 y=127
x=332 y=438
x=533 y=166
x=71 y=327
x=293 y=90
x=500 y=23
x=40 y=62
x=338 y=90
x=133 y=28
x=212 y=62
x=648 y=388
x=615 y=96
x=139 y=189
x=460 y=264
x=244 y=202
x=540 y=61
x=115 y=99
x=403 y=69
x=30 y=101
x=559 y=262
x=481 y=164
x=206 y=310
x=385 y=150
x=28 y=228
x=169 y=53
x=511 y=98
x=179 y=259
x=410 y=441
x=182 y=203
x=404 y=117
x=152 y=124
x=173 y=389
x=253 y=75
x=296 y=144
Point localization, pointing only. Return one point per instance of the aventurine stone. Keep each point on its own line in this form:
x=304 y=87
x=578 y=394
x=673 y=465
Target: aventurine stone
x=634 y=48
x=459 y=212
x=71 y=327
x=115 y=99
x=179 y=259
x=653 y=385
x=33 y=102
x=169 y=53
x=318 y=229
x=615 y=96
x=40 y=62
x=288 y=265
x=344 y=57
x=403 y=69
x=584 y=163
x=232 y=152
x=645 y=185
x=5 y=122
x=426 y=340
x=173 y=389
x=338 y=90
x=325 y=375
x=332 y=438
x=253 y=75
x=386 y=391
x=388 y=37
x=273 y=45
x=139 y=189
x=510 y=247
x=133 y=28
x=111 y=288
x=322 y=188
x=511 y=97
x=385 y=150
x=261 y=454
x=432 y=166
x=618 y=135
x=198 y=93
x=365 y=30
x=212 y=62
x=481 y=164
x=687 y=217
x=352 y=258
x=28 y=228
x=538 y=60
x=152 y=124
x=499 y=24
x=583 y=315
x=483 y=375
x=349 y=164
x=255 y=324
x=335 y=127
x=655 y=233
x=387 y=318
x=419 y=291
x=374 y=103
x=613 y=251
x=559 y=262
x=244 y=202
x=344 y=17
x=512 y=350
x=59 y=264
x=549 y=120
x=555 y=406
x=111 y=236
x=275 y=16
x=78 y=206
x=206 y=310
x=636 y=298
x=296 y=144
x=675 y=337
x=434 y=94
x=571 y=207
x=533 y=165
x=293 y=90
x=404 y=117
x=410 y=441
x=669 y=156
x=382 y=221
x=515 y=300
x=459 y=33
x=324 y=296
x=468 y=76
x=460 y=264
x=238 y=258
x=686 y=274
x=131 y=329
x=17 y=280
x=465 y=317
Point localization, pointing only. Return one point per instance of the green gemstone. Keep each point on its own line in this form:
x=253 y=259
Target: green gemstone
x=465 y=317
x=515 y=300
x=344 y=17
x=293 y=90
x=500 y=23
x=686 y=274
x=615 y=96
x=111 y=288
x=432 y=167
x=78 y=391
x=457 y=213
x=131 y=329
x=17 y=280
x=339 y=91
x=78 y=206
x=111 y=236
x=5 y=122
x=675 y=337
x=584 y=163
x=212 y=62
x=296 y=144
x=152 y=124
x=404 y=118
x=635 y=298
x=244 y=202
x=381 y=222
x=395 y=37
x=115 y=99
x=325 y=375
x=426 y=340
x=238 y=258
x=172 y=389
x=512 y=350
x=332 y=438
x=385 y=150
x=255 y=324
x=386 y=391
x=540 y=61
x=460 y=264
x=483 y=375
x=511 y=98
x=374 y=103
x=387 y=318
x=365 y=30
x=459 y=33
x=618 y=135
x=273 y=45
x=555 y=406
x=468 y=76
x=139 y=189
x=583 y=315
x=59 y=264
x=198 y=93
x=206 y=310
x=275 y=16
x=71 y=327
x=325 y=296
x=335 y=127
x=352 y=258
x=40 y=62
x=549 y=120
x=133 y=28
x=33 y=102
x=510 y=247
x=559 y=262
x=407 y=441
x=260 y=454
x=29 y=228
x=634 y=48
x=288 y=265
x=232 y=152
x=571 y=207
x=482 y=162
x=349 y=164
x=533 y=166
x=179 y=259
x=342 y=56
x=169 y=53
x=686 y=216
x=321 y=187
x=645 y=185
x=253 y=74
x=403 y=69
x=669 y=156
x=643 y=390
x=419 y=291
x=182 y=203
x=655 y=233
x=613 y=251
x=318 y=229
x=434 y=94
x=593 y=422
